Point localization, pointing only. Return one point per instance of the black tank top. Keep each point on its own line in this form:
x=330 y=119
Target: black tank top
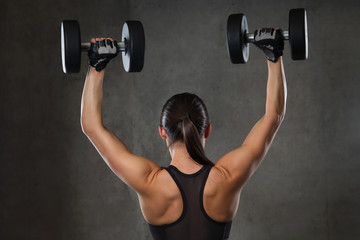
x=193 y=223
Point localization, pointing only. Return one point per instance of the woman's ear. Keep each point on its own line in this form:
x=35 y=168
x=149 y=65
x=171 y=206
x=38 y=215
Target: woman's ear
x=162 y=133
x=207 y=131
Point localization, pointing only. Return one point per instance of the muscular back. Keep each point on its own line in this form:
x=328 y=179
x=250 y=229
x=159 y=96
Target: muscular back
x=164 y=205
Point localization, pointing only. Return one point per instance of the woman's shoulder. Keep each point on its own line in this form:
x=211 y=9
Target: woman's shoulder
x=218 y=174
x=163 y=182
x=217 y=182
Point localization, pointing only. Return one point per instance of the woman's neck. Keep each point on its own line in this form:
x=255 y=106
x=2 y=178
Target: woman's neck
x=182 y=160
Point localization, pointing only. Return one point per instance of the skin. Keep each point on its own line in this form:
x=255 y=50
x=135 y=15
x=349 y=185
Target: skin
x=159 y=197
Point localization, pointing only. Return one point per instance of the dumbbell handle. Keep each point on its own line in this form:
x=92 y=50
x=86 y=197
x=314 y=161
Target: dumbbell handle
x=86 y=46
x=250 y=36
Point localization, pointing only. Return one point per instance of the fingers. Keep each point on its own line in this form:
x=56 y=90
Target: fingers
x=104 y=42
x=263 y=28
x=93 y=40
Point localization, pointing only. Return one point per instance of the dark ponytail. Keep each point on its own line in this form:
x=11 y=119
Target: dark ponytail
x=185 y=118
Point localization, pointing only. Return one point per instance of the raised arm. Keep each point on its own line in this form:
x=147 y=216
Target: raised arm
x=238 y=165
x=135 y=171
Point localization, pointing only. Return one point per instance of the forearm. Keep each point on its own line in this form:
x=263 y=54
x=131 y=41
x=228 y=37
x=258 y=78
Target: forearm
x=276 y=90
x=91 y=102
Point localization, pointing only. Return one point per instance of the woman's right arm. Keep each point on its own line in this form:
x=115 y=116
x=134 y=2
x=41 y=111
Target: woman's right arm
x=238 y=165
x=136 y=171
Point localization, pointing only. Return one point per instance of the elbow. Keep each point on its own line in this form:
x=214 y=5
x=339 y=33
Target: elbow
x=83 y=123
x=282 y=113
x=281 y=116
x=277 y=114
x=275 y=118
x=90 y=124
x=84 y=127
x=87 y=127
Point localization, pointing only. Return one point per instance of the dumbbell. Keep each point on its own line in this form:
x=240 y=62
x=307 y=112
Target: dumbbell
x=238 y=36
x=132 y=46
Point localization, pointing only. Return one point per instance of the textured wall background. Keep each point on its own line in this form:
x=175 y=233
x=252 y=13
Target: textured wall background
x=54 y=185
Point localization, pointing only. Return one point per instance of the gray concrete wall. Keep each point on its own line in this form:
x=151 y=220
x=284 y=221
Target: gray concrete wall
x=54 y=185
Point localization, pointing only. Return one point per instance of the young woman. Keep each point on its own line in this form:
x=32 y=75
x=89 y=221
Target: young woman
x=192 y=198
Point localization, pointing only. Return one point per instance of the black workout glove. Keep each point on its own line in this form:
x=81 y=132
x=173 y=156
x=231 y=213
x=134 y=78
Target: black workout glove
x=271 y=41
x=101 y=52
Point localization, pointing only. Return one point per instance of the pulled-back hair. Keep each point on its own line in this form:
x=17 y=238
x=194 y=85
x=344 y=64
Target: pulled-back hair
x=185 y=118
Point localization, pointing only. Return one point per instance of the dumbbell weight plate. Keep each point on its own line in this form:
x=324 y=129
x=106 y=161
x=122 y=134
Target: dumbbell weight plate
x=298 y=34
x=70 y=46
x=134 y=38
x=237 y=46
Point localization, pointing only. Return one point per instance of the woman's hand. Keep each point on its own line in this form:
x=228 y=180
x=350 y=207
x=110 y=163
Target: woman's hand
x=101 y=51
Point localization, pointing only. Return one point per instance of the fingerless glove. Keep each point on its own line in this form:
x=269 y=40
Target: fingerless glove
x=101 y=52
x=271 y=41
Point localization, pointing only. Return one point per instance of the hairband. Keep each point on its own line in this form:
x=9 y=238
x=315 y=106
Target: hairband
x=184 y=117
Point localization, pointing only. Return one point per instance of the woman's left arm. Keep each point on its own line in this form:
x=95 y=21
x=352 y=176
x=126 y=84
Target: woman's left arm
x=135 y=171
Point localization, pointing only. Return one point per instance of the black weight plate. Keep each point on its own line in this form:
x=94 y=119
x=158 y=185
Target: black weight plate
x=70 y=46
x=298 y=35
x=134 y=37
x=238 y=48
